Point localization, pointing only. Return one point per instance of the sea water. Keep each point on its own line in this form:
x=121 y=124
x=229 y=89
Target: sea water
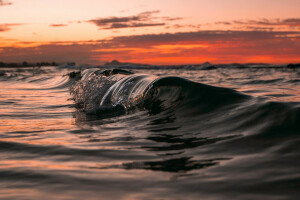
x=160 y=132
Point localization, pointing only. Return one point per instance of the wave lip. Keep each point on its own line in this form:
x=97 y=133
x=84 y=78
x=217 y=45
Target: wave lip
x=127 y=92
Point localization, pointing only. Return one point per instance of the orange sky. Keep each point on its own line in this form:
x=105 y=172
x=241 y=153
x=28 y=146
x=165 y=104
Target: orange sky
x=153 y=32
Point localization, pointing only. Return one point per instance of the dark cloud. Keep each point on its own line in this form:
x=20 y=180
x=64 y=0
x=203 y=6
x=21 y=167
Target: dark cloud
x=223 y=23
x=204 y=36
x=263 y=24
x=58 y=25
x=145 y=16
x=133 y=25
x=172 y=18
x=7 y=27
x=144 y=19
x=178 y=26
x=290 y=22
x=218 y=46
x=4 y=3
x=56 y=51
x=259 y=28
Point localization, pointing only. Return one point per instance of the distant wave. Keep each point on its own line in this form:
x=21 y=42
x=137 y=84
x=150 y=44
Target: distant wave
x=204 y=66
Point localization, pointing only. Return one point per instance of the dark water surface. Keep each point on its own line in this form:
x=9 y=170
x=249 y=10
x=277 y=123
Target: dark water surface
x=222 y=132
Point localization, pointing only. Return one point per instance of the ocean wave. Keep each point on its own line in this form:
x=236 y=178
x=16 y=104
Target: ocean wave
x=122 y=91
x=203 y=66
x=110 y=93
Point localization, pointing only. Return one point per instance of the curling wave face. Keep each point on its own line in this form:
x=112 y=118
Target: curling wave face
x=119 y=91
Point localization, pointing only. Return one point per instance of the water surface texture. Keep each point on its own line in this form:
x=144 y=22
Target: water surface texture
x=173 y=132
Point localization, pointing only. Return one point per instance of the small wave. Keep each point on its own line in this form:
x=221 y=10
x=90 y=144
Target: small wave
x=203 y=66
x=264 y=81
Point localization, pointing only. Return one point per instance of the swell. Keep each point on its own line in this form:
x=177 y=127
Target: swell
x=52 y=82
x=172 y=101
x=63 y=152
x=39 y=78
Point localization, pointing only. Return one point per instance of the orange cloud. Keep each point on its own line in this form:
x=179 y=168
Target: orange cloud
x=177 y=48
x=4 y=3
x=7 y=27
x=57 y=52
x=58 y=25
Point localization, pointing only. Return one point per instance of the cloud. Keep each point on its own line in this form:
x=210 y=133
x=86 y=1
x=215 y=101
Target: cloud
x=223 y=23
x=133 y=25
x=291 y=22
x=200 y=46
x=172 y=18
x=144 y=19
x=56 y=51
x=4 y=3
x=179 y=26
x=202 y=36
x=264 y=23
x=7 y=27
x=168 y=48
x=58 y=25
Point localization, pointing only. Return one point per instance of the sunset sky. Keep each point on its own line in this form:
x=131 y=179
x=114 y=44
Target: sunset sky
x=152 y=32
